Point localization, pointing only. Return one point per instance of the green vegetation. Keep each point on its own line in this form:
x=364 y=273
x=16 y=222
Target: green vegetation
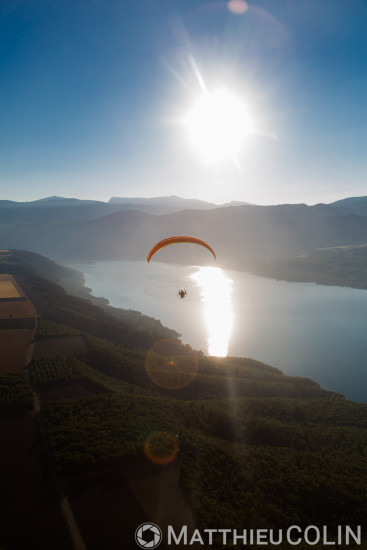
x=278 y=470
x=15 y=392
x=49 y=328
x=338 y=266
x=48 y=372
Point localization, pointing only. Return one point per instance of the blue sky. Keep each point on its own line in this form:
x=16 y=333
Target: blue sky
x=93 y=93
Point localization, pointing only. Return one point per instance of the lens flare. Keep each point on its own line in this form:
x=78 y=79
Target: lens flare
x=237 y=6
x=161 y=448
x=171 y=365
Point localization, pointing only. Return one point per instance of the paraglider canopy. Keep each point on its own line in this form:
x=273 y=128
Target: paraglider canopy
x=179 y=239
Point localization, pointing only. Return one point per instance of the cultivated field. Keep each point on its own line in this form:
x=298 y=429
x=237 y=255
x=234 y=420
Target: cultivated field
x=15 y=345
x=16 y=309
x=9 y=287
x=8 y=290
x=65 y=346
x=17 y=324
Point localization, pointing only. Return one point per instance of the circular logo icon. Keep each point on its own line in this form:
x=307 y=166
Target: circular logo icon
x=148 y=535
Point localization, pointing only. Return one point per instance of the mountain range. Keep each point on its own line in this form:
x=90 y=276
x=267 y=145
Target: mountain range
x=67 y=229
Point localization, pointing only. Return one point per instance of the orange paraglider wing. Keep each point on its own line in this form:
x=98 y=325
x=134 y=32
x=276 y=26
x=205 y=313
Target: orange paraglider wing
x=179 y=239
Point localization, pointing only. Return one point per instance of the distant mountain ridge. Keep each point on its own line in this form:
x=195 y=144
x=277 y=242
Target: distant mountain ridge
x=67 y=208
x=355 y=205
x=166 y=205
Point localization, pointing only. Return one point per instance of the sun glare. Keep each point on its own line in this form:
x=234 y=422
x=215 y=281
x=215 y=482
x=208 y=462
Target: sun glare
x=216 y=290
x=217 y=126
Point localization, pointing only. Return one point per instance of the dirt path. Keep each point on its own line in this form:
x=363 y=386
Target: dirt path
x=72 y=525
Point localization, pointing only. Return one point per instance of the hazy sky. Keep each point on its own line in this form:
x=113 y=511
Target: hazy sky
x=93 y=94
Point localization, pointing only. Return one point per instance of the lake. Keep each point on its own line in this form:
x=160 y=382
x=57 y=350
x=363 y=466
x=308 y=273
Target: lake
x=303 y=329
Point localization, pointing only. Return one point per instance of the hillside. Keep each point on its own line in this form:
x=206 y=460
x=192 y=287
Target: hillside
x=128 y=421
x=337 y=266
x=21 y=262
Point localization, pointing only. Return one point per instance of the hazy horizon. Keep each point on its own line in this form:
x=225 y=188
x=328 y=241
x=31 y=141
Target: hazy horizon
x=135 y=197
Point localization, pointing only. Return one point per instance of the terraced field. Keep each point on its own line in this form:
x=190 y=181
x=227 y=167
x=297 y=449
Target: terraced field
x=66 y=346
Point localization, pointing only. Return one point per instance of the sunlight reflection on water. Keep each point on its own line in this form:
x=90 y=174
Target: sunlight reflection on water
x=303 y=329
x=216 y=296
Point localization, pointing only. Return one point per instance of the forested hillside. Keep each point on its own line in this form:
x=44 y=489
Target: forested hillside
x=337 y=266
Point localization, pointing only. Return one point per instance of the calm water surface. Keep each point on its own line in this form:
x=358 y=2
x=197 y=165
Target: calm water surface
x=304 y=329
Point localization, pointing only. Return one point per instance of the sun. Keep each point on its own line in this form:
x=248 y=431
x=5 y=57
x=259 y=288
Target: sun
x=217 y=126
